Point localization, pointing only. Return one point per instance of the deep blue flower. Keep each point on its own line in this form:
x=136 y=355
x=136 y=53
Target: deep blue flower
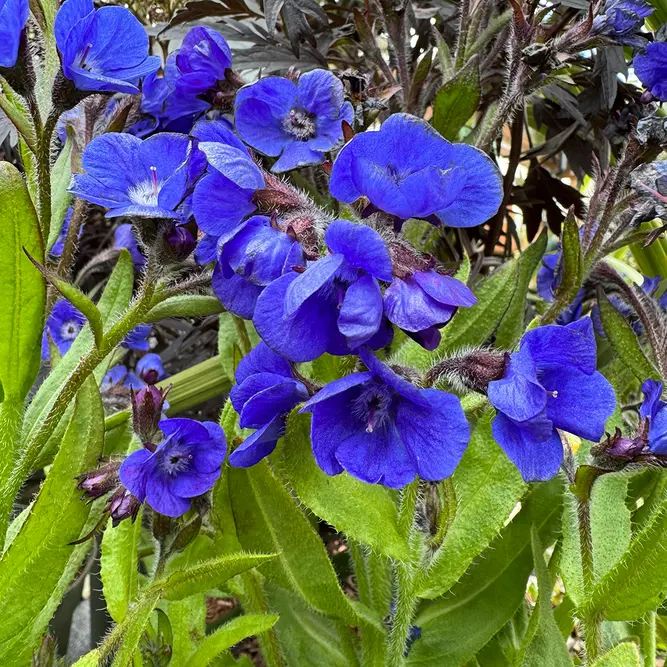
x=423 y=302
x=621 y=20
x=184 y=465
x=299 y=122
x=123 y=237
x=335 y=305
x=264 y=394
x=252 y=258
x=137 y=339
x=150 y=368
x=201 y=61
x=207 y=249
x=102 y=50
x=383 y=430
x=651 y=68
x=653 y=410
x=13 y=17
x=223 y=197
x=549 y=384
x=120 y=376
x=409 y=170
x=131 y=177
x=63 y=326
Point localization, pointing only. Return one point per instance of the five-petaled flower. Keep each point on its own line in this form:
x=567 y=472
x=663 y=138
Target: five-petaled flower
x=299 y=122
x=550 y=383
x=264 y=393
x=408 y=170
x=62 y=326
x=131 y=177
x=184 y=465
x=253 y=257
x=335 y=305
x=13 y=17
x=382 y=429
x=102 y=50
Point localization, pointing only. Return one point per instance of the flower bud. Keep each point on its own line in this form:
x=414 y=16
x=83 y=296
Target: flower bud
x=147 y=406
x=181 y=242
x=100 y=481
x=122 y=505
x=646 y=97
x=472 y=371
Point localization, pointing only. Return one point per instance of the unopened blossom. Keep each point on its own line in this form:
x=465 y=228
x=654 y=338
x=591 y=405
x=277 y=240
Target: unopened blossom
x=253 y=257
x=299 y=122
x=150 y=368
x=335 y=305
x=408 y=170
x=102 y=50
x=184 y=465
x=264 y=394
x=139 y=178
x=13 y=17
x=550 y=384
x=383 y=430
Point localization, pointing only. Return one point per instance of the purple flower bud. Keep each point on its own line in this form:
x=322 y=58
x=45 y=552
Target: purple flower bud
x=181 y=242
x=472 y=371
x=100 y=481
x=147 y=406
x=625 y=448
x=646 y=97
x=122 y=505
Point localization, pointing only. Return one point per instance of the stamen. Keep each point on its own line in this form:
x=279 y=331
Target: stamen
x=553 y=394
x=371 y=419
x=86 y=51
x=155 y=182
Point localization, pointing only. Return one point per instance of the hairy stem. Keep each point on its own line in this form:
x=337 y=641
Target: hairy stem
x=648 y=639
x=44 y=173
x=242 y=332
x=464 y=23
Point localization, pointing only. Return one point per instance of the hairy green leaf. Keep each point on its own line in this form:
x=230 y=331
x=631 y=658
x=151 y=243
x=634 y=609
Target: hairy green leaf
x=488 y=486
x=365 y=512
x=622 y=655
x=186 y=305
x=61 y=177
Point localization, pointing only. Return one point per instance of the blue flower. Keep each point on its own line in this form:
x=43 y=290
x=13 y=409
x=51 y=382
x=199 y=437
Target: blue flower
x=184 y=465
x=549 y=384
x=651 y=68
x=131 y=177
x=102 y=50
x=63 y=326
x=297 y=121
x=119 y=376
x=59 y=245
x=621 y=20
x=423 y=302
x=335 y=305
x=13 y=17
x=264 y=394
x=408 y=170
x=653 y=410
x=150 y=368
x=252 y=258
x=123 y=237
x=201 y=61
x=383 y=430
x=137 y=339
x=223 y=197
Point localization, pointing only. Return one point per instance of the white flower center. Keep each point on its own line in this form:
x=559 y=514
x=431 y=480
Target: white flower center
x=147 y=192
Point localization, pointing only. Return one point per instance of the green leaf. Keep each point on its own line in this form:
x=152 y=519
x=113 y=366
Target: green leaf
x=638 y=582
x=513 y=323
x=622 y=655
x=32 y=566
x=470 y=326
x=456 y=626
x=229 y=634
x=543 y=643
x=186 y=305
x=188 y=626
x=365 y=512
x=488 y=487
x=228 y=338
x=457 y=100
x=208 y=574
x=16 y=111
x=118 y=566
x=91 y=659
x=115 y=299
x=267 y=519
x=611 y=529
x=61 y=177
x=624 y=341
x=23 y=289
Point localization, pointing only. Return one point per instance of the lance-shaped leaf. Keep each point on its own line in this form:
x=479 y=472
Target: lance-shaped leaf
x=624 y=340
x=572 y=270
x=185 y=305
x=622 y=655
x=457 y=100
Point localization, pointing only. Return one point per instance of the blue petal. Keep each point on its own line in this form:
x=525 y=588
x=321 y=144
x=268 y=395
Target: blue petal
x=361 y=313
x=134 y=471
x=69 y=14
x=657 y=433
x=242 y=392
x=304 y=285
x=321 y=93
x=13 y=17
x=652 y=395
x=297 y=154
x=435 y=436
x=445 y=289
x=237 y=295
x=233 y=163
x=262 y=359
x=536 y=460
x=187 y=430
x=218 y=131
x=258 y=445
x=337 y=387
x=277 y=400
x=161 y=498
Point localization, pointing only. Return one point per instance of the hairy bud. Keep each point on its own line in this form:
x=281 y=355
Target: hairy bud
x=122 y=505
x=147 y=406
x=180 y=241
x=471 y=371
x=100 y=481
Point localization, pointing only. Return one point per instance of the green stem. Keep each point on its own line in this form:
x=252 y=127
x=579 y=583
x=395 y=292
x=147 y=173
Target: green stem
x=648 y=639
x=446 y=515
x=44 y=173
x=242 y=331
x=463 y=35
x=406 y=597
